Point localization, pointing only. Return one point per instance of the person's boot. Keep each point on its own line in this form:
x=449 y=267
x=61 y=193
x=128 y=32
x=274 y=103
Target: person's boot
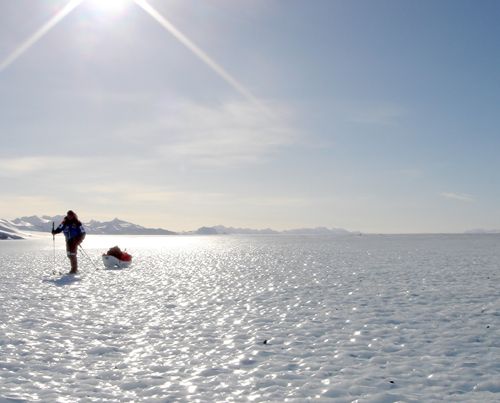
x=74 y=264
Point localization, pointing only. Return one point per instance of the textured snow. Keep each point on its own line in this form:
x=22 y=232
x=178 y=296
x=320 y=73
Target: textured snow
x=254 y=318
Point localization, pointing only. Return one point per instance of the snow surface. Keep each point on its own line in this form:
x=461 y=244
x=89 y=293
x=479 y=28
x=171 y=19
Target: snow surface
x=254 y=318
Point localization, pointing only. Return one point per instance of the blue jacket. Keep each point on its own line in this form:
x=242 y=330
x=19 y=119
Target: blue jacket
x=71 y=229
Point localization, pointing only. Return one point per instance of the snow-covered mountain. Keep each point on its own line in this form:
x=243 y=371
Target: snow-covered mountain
x=26 y=226
x=482 y=231
x=318 y=231
x=220 y=229
x=120 y=227
x=36 y=224
x=22 y=227
x=8 y=230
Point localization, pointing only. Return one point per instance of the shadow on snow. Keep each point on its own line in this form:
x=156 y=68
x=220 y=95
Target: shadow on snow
x=65 y=279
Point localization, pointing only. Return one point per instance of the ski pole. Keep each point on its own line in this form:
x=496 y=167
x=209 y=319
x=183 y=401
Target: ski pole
x=88 y=257
x=54 y=248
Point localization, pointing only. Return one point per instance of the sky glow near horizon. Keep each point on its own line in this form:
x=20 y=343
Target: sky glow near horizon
x=378 y=116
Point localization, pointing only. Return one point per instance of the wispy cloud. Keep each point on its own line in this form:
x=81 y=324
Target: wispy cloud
x=275 y=201
x=142 y=194
x=19 y=166
x=217 y=135
x=159 y=195
x=463 y=197
x=15 y=205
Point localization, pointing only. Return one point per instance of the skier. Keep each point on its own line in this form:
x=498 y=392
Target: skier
x=75 y=233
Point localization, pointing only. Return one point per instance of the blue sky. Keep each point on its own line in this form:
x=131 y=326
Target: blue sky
x=378 y=116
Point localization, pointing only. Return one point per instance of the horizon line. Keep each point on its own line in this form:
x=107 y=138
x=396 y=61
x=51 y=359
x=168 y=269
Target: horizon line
x=477 y=231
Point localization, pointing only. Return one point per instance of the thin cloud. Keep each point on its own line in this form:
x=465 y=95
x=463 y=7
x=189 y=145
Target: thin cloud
x=19 y=205
x=275 y=201
x=141 y=193
x=463 y=197
x=10 y=167
x=220 y=135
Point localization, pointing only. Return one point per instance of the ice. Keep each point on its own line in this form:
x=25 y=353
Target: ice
x=254 y=318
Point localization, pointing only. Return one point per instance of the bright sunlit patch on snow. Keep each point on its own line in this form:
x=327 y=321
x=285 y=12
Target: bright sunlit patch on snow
x=173 y=243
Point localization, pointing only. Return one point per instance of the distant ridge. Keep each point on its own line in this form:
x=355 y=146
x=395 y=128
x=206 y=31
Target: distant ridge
x=25 y=227
x=9 y=231
x=120 y=227
x=222 y=230
x=319 y=231
x=20 y=228
x=482 y=231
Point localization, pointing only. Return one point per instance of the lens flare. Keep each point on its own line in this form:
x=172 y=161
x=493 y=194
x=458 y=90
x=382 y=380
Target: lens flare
x=116 y=6
x=218 y=69
x=108 y=7
x=28 y=43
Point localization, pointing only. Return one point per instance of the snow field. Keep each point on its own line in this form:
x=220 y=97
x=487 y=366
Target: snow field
x=254 y=318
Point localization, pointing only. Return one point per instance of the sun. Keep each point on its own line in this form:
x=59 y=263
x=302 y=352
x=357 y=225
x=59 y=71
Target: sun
x=108 y=6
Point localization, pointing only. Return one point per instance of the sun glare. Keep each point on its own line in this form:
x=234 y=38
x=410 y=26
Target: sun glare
x=109 y=6
x=114 y=8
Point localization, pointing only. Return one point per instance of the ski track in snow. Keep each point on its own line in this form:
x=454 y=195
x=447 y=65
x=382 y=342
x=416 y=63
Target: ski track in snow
x=254 y=318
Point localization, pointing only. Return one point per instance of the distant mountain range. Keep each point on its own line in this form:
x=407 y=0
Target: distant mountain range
x=483 y=231
x=221 y=230
x=25 y=227
x=22 y=227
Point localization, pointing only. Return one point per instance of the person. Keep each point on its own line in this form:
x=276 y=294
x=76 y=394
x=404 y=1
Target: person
x=75 y=234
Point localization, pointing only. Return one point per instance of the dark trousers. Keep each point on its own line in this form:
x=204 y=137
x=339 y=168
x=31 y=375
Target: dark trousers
x=72 y=249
